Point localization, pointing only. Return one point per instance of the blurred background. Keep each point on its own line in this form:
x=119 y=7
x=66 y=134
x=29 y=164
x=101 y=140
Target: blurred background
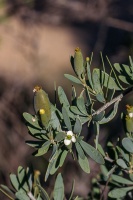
x=37 y=38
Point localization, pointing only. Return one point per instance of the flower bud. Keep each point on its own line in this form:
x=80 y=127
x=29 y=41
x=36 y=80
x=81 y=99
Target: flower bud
x=79 y=63
x=42 y=105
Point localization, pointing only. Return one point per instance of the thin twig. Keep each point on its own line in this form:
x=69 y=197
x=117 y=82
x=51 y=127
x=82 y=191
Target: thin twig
x=105 y=187
x=110 y=173
x=118 y=98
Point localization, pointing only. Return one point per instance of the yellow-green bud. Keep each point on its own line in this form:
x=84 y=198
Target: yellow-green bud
x=87 y=59
x=129 y=118
x=79 y=63
x=41 y=111
x=42 y=105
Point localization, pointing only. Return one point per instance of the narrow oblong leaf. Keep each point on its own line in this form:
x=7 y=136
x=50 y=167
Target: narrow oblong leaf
x=62 y=97
x=124 y=79
x=80 y=150
x=108 y=80
x=63 y=157
x=31 y=119
x=121 y=180
x=118 y=67
x=89 y=75
x=60 y=136
x=21 y=195
x=77 y=126
x=111 y=114
x=92 y=152
x=119 y=192
x=125 y=155
x=98 y=117
x=6 y=189
x=66 y=118
x=121 y=163
x=22 y=178
x=56 y=163
x=84 y=164
x=128 y=144
x=48 y=169
x=14 y=181
x=72 y=78
x=43 y=149
x=59 y=188
x=54 y=122
x=81 y=105
x=97 y=85
x=76 y=111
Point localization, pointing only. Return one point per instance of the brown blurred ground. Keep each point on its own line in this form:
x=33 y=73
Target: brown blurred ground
x=36 y=42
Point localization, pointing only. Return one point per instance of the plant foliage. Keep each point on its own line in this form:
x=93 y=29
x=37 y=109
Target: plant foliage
x=58 y=133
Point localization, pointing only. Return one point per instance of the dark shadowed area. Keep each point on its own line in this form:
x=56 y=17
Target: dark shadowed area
x=37 y=38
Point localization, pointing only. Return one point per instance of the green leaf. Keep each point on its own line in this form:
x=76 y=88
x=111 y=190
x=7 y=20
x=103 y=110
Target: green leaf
x=118 y=67
x=14 y=181
x=6 y=189
x=44 y=194
x=97 y=85
x=96 y=130
x=54 y=153
x=121 y=163
x=49 y=169
x=29 y=175
x=127 y=70
x=80 y=150
x=43 y=149
x=85 y=119
x=77 y=126
x=111 y=114
x=74 y=96
x=66 y=118
x=100 y=97
x=54 y=122
x=110 y=94
x=22 y=178
x=89 y=102
x=59 y=188
x=56 y=163
x=34 y=132
x=98 y=117
x=35 y=144
x=128 y=144
x=76 y=111
x=62 y=97
x=63 y=157
x=100 y=149
x=92 y=152
x=60 y=136
x=31 y=119
x=119 y=192
x=81 y=105
x=107 y=80
x=20 y=195
x=123 y=79
x=125 y=155
x=72 y=78
x=89 y=75
x=84 y=164
x=121 y=180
